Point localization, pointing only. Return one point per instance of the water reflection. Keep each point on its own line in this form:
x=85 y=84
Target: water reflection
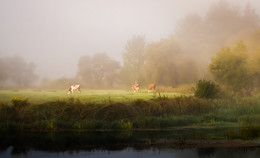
x=171 y=143
x=129 y=152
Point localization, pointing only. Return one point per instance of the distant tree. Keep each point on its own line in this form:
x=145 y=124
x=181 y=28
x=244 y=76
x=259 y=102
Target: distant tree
x=160 y=65
x=84 y=73
x=3 y=72
x=192 y=34
x=200 y=37
x=229 y=68
x=133 y=60
x=104 y=69
x=98 y=70
x=18 y=71
x=165 y=64
x=254 y=57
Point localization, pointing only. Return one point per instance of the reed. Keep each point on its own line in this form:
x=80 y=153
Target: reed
x=156 y=113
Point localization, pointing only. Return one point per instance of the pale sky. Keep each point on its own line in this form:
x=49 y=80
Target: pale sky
x=54 y=34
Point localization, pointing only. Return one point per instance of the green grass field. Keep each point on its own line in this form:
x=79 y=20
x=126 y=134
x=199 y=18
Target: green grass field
x=93 y=96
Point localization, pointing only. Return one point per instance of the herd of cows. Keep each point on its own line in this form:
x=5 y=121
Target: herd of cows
x=135 y=88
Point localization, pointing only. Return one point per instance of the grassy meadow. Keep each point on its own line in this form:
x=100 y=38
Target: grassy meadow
x=90 y=96
x=25 y=110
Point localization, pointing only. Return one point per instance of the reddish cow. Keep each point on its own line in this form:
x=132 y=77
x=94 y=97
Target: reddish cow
x=151 y=87
x=135 y=87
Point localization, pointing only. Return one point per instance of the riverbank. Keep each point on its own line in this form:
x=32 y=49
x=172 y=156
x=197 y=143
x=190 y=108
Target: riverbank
x=160 y=112
x=206 y=143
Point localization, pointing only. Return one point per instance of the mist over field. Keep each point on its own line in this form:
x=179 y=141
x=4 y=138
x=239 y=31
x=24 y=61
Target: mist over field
x=116 y=43
x=130 y=64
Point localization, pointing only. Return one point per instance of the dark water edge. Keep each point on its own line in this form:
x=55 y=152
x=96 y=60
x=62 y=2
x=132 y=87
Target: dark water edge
x=244 y=152
x=123 y=144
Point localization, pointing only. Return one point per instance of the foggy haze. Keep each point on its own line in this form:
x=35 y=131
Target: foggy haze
x=54 y=34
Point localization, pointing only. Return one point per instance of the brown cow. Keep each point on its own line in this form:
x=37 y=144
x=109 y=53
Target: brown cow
x=135 y=87
x=151 y=87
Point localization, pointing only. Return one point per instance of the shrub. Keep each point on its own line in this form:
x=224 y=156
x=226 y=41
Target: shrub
x=18 y=102
x=250 y=130
x=122 y=125
x=250 y=127
x=206 y=89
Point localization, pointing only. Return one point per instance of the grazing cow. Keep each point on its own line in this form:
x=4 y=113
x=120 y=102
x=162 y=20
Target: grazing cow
x=151 y=87
x=135 y=87
x=74 y=88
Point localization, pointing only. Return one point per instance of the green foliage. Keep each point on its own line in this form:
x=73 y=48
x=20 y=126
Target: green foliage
x=185 y=106
x=98 y=70
x=147 y=108
x=158 y=112
x=17 y=71
x=206 y=89
x=250 y=128
x=166 y=65
x=122 y=125
x=133 y=60
x=116 y=111
x=18 y=102
x=201 y=36
x=165 y=122
x=230 y=68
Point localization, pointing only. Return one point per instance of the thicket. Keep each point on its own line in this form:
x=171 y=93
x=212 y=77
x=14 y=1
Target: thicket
x=161 y=112
x=206 y=89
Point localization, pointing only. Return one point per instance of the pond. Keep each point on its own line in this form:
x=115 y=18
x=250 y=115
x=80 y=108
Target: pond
x=202 y=143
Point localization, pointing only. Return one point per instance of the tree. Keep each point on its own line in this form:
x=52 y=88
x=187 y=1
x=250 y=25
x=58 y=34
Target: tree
x=3 y=72
x=133 y=60
x=104 y=69
x=160 y=66
x=165 y=64
x=98 y=70
x=200 y=37
x=18 y=72
x=254 y=57
x=229 y=68
x=84 y=73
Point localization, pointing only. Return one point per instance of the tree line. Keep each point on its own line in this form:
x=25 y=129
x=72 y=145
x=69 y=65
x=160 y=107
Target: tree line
x=15 y=71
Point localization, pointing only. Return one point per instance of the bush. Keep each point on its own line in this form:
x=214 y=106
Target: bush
x=18 y=102
x=206 y=89
x=122 y=125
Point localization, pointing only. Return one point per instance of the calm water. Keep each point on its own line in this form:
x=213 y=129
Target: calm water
x=114 y=144
x=252 y=152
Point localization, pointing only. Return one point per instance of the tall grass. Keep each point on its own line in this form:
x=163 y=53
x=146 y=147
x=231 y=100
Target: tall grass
x=158 y=112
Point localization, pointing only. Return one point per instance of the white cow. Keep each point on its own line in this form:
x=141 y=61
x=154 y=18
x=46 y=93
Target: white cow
x=74 y=88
